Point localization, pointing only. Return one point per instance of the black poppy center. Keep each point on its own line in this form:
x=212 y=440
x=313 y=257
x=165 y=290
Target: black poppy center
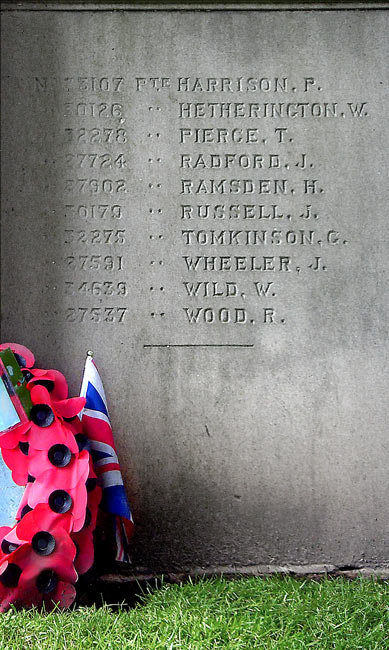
x=25 y=510
x=10 y=577
x=43 y=543
x=83 y=442
x=23 y=446
x=8 y=547
x=90 y=484
x=27 y=375
x=42 y=415
x=59 y=455
x=47 y=383
x=46 y=581
x=60 y=501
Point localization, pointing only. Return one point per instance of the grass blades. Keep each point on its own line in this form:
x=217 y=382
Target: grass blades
x=218 y=614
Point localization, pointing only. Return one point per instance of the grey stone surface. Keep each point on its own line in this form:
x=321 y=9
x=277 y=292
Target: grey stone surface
x=257 y=434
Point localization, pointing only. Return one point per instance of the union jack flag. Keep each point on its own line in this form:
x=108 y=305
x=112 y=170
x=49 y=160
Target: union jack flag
x=97 y=426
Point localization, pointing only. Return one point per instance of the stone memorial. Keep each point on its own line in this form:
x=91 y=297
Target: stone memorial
x=200 y=195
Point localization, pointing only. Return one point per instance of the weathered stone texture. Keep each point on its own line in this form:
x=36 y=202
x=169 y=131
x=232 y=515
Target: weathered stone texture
x=258 y=433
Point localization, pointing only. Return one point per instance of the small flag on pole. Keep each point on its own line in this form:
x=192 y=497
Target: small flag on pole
x=97 y=426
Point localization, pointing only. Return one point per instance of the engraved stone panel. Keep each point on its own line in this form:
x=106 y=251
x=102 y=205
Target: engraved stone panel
x=202 y=199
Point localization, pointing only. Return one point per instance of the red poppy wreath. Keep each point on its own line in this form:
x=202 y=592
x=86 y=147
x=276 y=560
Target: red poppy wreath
x=47 y=451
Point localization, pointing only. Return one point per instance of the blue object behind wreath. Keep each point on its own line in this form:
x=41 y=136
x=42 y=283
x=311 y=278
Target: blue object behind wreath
x=10 y=496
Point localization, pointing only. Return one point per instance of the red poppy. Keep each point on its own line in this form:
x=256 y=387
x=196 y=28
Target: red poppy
x=58 y=455
x=10 y=439
x=64 y=408
x=64 y=489
x=31 y=455
x=42 y=518
x=60 y=560
x=52 y=379
x=62 y=597
x=34 y=571
x=25 y=355
x=42 y=439
x=46 y=429
x=49 y=419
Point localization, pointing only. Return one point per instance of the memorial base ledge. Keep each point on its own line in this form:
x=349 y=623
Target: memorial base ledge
x=258 y=570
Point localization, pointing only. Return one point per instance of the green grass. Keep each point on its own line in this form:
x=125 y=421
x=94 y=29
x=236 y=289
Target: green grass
x=244 y=614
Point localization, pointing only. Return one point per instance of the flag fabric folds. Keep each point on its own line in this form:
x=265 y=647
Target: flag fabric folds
x=97 y=426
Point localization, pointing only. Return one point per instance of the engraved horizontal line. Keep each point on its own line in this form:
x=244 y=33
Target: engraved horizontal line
x=198 y=345
x=183 y=7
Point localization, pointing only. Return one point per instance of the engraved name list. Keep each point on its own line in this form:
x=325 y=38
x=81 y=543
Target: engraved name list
x=220 y=181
